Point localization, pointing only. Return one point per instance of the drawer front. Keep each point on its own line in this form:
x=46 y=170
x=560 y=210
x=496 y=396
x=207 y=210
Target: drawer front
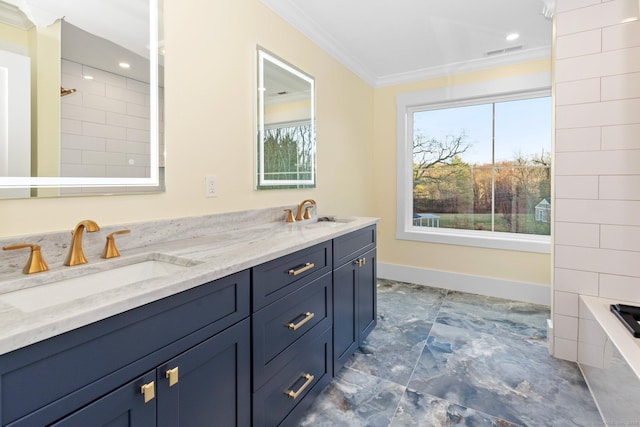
x=352 y=245
x=297 y=384
x=275 y=279
x=77 y=367
x=282 y=323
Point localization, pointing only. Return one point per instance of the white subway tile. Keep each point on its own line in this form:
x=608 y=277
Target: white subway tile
x=621 y=36
x=623 y=86
x=585 y=312
x=138 y=110
x=620 y=112
x=138 y=135
x=126 y=95
x=565 y=303
x=620 y=237
x=576 y=187
x=70 y=156
x=92 y=171
x=105 y=104
x=622 y=288
x=622 y=263
x=613 y=212
x=81 y=85
x=103 y=158
x=598 y=65
x=613 y=162
x=565 y=349
x=70 y=67
x=578 y=92
x=572 y=234
x=620 y=187
x=579 y=139
x=595 y=16
x=70 y=126
x=106 y=131
x=591 y=355
x=138 y=86
x=121 y=146
x=82 y=142
x=565 y=326
x=623 y=137
x=76 y=112
x=591 y=332
x=575 y=281
x=105 y=76
x=579 y=44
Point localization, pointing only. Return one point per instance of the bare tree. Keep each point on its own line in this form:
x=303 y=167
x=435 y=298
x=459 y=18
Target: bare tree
x=429 y=152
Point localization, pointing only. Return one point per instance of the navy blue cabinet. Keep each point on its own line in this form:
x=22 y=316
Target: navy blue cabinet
x=354 y=293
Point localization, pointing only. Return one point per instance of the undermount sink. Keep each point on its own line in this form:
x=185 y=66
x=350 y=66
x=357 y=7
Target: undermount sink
x=64 y=290
x=329 y=221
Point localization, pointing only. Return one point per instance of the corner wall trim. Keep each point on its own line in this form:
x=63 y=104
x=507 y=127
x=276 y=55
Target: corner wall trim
x=489 y=286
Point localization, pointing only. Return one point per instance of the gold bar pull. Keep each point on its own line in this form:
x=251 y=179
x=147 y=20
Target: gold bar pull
x=307 y=316
x=149 y=391
x=172 y=375
x=307 y=266
x=294 y=394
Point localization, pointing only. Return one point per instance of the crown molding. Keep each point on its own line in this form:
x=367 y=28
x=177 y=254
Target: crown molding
x=12 y=15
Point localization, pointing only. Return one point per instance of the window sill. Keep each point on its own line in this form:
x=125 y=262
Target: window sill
x=481 y=239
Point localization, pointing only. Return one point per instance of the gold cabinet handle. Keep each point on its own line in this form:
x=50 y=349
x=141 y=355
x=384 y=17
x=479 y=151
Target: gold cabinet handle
x=307 y=316
x=148 y=391
x=360 y=262
x=172 y=376
x=294 y=394
x=302 y=269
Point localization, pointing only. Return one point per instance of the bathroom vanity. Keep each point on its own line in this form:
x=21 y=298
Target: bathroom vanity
x=252 y=344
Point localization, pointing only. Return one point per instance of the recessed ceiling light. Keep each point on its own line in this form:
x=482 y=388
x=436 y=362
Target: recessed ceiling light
x=513 y=36
x=124 y=65
x=629 y=19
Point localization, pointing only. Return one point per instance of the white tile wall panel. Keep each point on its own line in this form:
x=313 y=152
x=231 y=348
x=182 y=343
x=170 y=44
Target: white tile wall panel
x=105 y=76
x=84 y=142
x=575 y=281
x=81 y=85
x=576 y=187
x=124 y=94
x=621 y=36
x=579 y=139
x=70 y=67
x=567 y=303
x=70 y=126
x=585 y=313
x=591 y=332
x=622 y=288
x=127 y=171
x=138 y=86
x=106 y=104
x=596 y=16
x=138 y=135
x=579 y=44
x=565 y=326
x=573 y=234
x=623 y=137
x=621 y=263
x=608 y=113
x=103 y=158
x=612 y=212
x=591 y=354
x=565 y=349
x=624 y=86
x=620 y=237
x=566 y=5
x=117 y=145
x=626 y=187
x=77 y=112
x=611 y=162
x=598 y=65
x=138 y=110
x=106 y=131
x=578 y=92
x=83 y=170
x=70 y=156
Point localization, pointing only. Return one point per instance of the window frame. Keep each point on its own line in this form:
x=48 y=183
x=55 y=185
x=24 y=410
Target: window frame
x=500 y=90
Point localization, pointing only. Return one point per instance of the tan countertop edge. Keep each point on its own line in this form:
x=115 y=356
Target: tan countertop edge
x=214 y=260
x=627 y=345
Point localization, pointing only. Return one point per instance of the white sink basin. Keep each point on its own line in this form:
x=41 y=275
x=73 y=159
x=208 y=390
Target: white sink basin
x=331 y=222
x=58 y=292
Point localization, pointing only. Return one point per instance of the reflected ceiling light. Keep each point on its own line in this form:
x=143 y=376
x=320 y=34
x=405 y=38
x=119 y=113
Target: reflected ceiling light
x=124 y=65
x=629 y=19
x=87 y=77
x=513 y=36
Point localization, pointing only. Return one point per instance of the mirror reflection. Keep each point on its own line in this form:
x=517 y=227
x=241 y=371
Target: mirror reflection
x=286 y=125
x=84 y=104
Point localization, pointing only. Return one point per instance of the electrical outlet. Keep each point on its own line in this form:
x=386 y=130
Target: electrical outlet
x=211 y=186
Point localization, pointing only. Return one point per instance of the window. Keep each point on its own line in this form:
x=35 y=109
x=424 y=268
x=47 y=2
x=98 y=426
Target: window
x=476 y=171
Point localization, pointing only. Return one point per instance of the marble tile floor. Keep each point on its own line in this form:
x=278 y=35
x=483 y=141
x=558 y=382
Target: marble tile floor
x=446 y=358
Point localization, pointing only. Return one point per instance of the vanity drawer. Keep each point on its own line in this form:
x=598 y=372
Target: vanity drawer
x=275 y=279
x=49 y=379
x=304 y=378
x=279 y=325
x=354 y=244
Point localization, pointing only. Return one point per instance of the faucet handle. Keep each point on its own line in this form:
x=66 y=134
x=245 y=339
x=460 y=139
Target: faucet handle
x=35 y=263
x=290 y=215
x=110 y=249
x=306 y=212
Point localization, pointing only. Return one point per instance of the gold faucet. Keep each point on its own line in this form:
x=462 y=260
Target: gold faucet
x=35 y=263
x=299 y=215
x=110 y=250
x=75 y=255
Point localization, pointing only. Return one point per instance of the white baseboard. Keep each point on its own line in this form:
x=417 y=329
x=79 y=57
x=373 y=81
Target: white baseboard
x=490 y=286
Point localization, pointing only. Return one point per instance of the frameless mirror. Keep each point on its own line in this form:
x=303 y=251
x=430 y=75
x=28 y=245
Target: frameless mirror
x=82 y=108
x=286 y=145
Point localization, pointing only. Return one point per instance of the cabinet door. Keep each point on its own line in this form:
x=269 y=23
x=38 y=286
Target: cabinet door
x=367 y=301
x=211 y=385
x=124 y=407
x=345 y=326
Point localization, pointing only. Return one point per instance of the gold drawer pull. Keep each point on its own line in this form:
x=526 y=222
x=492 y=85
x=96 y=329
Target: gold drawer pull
x=360 y=262
x=307 y=266
x=307 y=316
x=149 y=391
x=172 y=376
x=294 y=394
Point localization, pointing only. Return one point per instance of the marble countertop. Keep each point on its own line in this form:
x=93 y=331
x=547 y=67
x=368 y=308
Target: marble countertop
x=207 y=257
x=627 y=345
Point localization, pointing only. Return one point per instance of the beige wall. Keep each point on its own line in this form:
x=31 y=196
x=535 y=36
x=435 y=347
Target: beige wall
x=500 y=264
x=210 y=120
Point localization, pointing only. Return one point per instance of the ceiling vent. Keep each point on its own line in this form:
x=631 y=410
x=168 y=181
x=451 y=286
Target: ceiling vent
x=505 y=50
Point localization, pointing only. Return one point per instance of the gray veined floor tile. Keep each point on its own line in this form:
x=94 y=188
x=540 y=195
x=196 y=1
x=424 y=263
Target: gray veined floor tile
x=515 y=380
x=354 y=399
x=401 y=303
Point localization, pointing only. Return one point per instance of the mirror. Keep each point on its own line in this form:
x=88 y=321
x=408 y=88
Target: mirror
x=83 y=110
x=286 y=145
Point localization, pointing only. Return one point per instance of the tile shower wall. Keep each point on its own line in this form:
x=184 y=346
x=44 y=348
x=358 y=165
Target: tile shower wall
x=597 y=159
x=104 y=124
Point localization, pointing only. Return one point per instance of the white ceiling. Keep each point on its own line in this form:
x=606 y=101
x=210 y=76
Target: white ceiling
x=388 y=42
